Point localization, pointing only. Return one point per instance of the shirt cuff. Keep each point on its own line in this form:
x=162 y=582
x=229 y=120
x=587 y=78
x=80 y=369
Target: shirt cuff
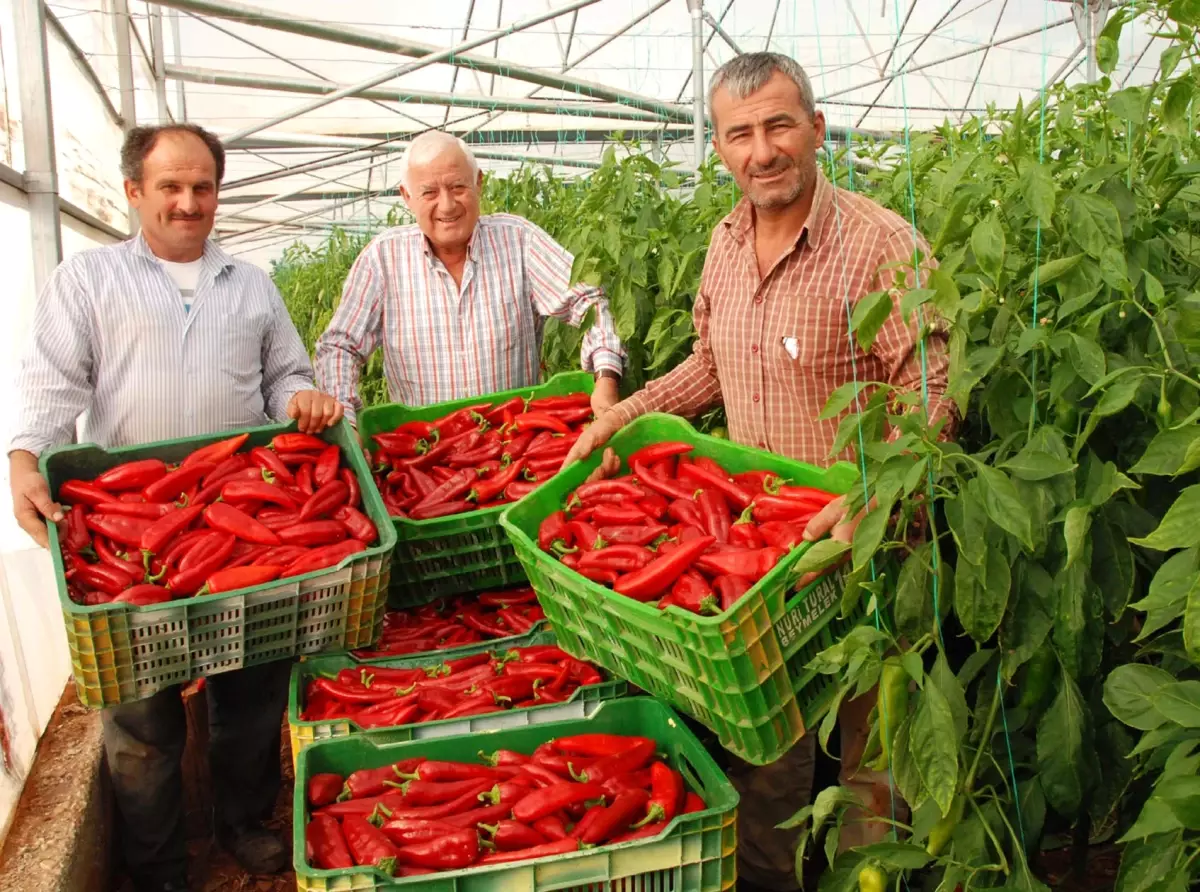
x=630 y=408
x=605 y=360
x=28 y=442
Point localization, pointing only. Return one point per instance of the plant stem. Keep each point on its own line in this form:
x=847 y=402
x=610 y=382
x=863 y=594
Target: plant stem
x=985 y=742
x=991 y=833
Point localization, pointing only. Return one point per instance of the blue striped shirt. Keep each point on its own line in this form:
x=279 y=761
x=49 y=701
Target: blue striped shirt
x=113 y=344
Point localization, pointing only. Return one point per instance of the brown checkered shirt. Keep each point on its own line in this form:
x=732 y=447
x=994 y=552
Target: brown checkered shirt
x=746 y=324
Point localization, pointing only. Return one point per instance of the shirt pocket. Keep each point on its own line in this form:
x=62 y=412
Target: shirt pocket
x=817 y=328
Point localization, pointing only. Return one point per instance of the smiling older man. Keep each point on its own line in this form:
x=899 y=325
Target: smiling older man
x=458 y=301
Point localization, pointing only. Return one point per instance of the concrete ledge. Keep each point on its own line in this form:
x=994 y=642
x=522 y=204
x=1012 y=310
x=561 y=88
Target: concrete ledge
x=60 y=835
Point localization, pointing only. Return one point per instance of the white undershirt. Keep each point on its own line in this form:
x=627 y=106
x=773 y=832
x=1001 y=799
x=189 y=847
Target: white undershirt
x=185 y=276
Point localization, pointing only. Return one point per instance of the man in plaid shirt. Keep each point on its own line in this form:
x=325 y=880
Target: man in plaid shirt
x=458 y=301
x=781 y=278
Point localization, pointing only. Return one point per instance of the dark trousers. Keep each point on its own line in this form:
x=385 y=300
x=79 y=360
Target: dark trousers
x=143 y=744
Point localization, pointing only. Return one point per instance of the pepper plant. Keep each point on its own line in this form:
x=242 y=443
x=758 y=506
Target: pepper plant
x=1034 y=583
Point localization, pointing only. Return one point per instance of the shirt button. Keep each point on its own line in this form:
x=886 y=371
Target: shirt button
x=762 y=444
x=756 y=397
x=754 y=348
x=758 y=299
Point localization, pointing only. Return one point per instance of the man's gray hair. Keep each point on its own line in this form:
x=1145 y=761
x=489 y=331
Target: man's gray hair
x=428 y=146
x=744 y=74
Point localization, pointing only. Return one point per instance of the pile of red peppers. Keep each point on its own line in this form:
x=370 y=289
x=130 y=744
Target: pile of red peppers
x=479 y=456
x=467 y=619
x=680 y=531
x=421 y=816
x=145 y=532
x=380 y=697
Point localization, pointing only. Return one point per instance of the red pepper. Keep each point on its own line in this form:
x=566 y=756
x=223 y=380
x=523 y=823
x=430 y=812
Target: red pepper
x=232 y=578
x=147 y=510
x=555 y=528
x=511 y=836
x=558 y=847
x=462 y=804
x=647 y=832
x=626 y=489
x=304 y=480
x=756 y=482
x=323 y=837
x=523 y=595
x=182 y=544
x=518 y=490
x=125 y=530
x=328 y=463
x=452 y=489
x=615 y=515
x=256 y=491
x=656 y=452
x=667 y=795
x=370 y=782
x=326 y=499
x=706 y=478
x=135 y=570
x=168 y=527
x=204 y=560
x=297 y=442
x=654 y=506
x=550 y=799
x=692 y=803
x=441 y=509
x=750 y=564
x=348 y=477
x=132 y=475
x=174 y=484
x=77 y=535
x=686 y=511
x=466 y=419
x=475 y=457
x=367 y=844
x=692 y=592
x=551 y=827
x=83 y=492
x=103 y=577
x=715 y=511
x=268 y=460
x=632 y=759
x=228 y=519
x=622 y=558
x=276 y=519
x=633 y=535
x=215 y=453
x=657 y=576
x=771 y=508
x=323 y=789
x=231 y=465
x=560 y=401
x=450 y=852
x=489 y=489
x=616 y=818
x=357 y=524
x=513 y=406
x=534 y=421
x=804 y=493
x=315 y=532
x=407 y=831
x=433 y=770
x=519 y=622
x=584 y=536
x=597 y=744
x=143 y=595
x=782 y=534
x=744 y=533
x=730 y=589
x=661 y=485
x=435 y=793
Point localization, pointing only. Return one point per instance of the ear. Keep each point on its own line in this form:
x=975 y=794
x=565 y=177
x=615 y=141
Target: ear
x=819 y=127
x=479 y=180
x=133 y=192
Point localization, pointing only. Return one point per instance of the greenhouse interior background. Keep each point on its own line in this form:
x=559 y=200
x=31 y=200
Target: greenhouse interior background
x=317 y=101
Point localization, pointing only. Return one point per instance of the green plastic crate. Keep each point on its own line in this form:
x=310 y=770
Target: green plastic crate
x=696 y=853
x=742 y=673
x=465 y=552
x=121 y=653
x=583 y=701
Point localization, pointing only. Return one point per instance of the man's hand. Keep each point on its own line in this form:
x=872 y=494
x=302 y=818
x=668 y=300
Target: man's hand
x=594 y=436
x=32 y=504
x=832 y=519
x=605 y=395
x=314 y=411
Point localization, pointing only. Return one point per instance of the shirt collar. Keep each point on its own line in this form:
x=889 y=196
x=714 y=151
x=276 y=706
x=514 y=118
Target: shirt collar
x=741 y=219
x=215 y=258
x=473 y=244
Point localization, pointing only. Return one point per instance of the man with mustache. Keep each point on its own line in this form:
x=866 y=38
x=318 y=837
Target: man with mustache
x=159 y=337
x=458 y=301
x=781 y=278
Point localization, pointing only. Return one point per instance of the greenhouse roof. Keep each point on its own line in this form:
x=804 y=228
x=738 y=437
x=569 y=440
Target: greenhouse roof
x=316 y=101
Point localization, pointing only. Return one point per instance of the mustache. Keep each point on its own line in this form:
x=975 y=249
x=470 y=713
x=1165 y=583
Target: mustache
x=777 y=166
x=185 y=216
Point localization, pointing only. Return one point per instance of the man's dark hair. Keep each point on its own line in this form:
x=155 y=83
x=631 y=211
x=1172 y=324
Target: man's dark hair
x=140 y=142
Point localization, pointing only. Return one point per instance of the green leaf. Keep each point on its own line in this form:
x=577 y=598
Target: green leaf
x=1004 y=505
x=1119 y=394
x=1172 y=452
x=1108 y=54
x=1071 y=618
x=1128 y=692
x=981 y=593
x=1038 y=188
x=1087 y=358
x=1128 y=104
x=1180 y=528
x=1154 y=290
x=1055 y=269
x=904 y=767
x=822 y=554
x=1029 y=618
x=1144 y=864
x=1114 y=270
x=1179 y=702
x=869 y=534
x=1185 y=12
x=1169 y=61
x=896 y=855
x=1156 y=817
x=1094 y=223
x=1112 y=566
x=1033 y=464
x=1182 y=796
x=842 y=397
x=933 y=746
x=1175 y=107
x=869 y=315
x=1075 y=528
x=987 y=243
x=1175 y=583
x=1191 y=625
x=968 y=522
x=1061 y=737
x=913 y=605
x=914 y=298
x=947 y=682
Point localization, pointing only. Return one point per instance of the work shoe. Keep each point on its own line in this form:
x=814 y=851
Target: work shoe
x=256 y=850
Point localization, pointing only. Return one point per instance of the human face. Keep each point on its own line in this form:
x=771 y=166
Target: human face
x=444 y=197
x=176 y=199
x=769 y=143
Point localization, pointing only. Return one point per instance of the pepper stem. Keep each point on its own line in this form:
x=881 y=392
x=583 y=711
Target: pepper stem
x=654 y=814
